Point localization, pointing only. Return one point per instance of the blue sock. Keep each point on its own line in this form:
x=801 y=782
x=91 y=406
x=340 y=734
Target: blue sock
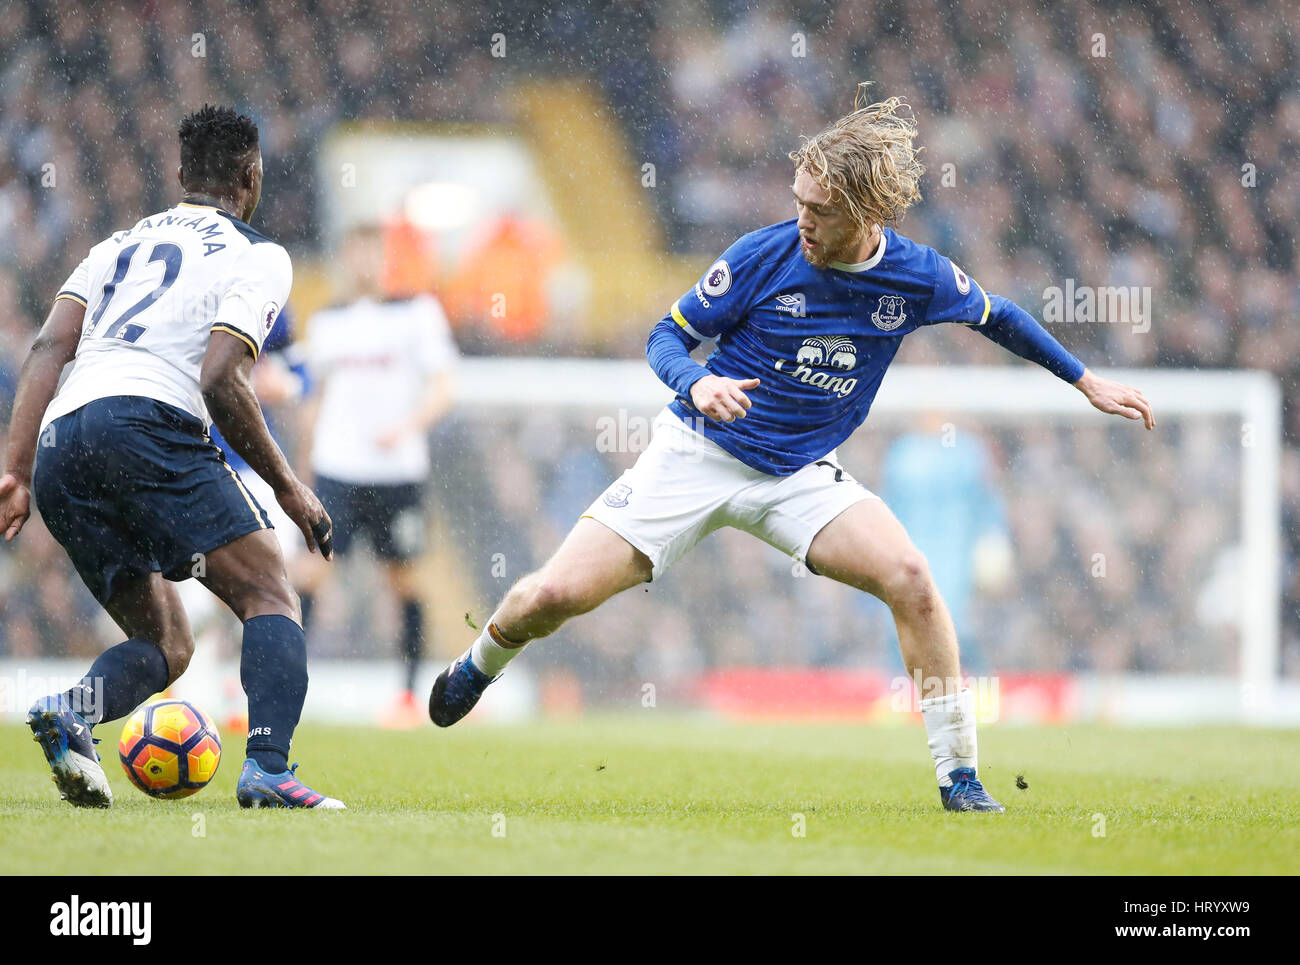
x=412 y=639
x=120 y=679
x=273 y=670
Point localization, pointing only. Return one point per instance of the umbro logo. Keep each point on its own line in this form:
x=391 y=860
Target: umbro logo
x=794 y=303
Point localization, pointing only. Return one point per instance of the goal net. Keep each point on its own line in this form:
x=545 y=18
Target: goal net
x=1126 y=574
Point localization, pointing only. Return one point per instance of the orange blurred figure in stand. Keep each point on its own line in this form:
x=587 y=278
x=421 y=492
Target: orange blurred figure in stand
x=499 y=290
x=410 y=262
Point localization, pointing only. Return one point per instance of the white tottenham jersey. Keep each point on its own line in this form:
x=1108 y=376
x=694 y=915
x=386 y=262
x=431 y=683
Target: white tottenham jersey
x=155 y=292
x=374 y=360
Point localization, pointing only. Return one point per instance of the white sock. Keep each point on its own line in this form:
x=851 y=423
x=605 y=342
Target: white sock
x=488 y=653
x=950 y=724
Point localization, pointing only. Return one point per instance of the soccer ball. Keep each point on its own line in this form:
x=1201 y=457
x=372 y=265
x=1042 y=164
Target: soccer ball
x=170 y=749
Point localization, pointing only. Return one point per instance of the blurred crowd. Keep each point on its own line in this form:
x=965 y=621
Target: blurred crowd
x=1111 y=143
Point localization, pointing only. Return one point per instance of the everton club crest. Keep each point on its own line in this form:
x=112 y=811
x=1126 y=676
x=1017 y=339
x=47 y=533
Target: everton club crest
x=889 y=314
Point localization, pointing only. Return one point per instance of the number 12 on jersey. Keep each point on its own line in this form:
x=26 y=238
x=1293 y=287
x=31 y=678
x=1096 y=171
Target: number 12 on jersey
x=165 y=252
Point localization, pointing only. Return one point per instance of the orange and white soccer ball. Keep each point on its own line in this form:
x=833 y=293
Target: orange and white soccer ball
x=170 y=749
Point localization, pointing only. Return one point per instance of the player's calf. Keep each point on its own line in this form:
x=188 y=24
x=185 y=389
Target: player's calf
x=539 y=604
x=867 y=548
x=591 y=565
x=536 y=606
x=248 y=575
x=542 y=602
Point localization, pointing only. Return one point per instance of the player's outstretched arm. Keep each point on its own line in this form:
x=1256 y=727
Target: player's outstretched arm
x=1017 y=331
x=232 y=403
x=54 y=348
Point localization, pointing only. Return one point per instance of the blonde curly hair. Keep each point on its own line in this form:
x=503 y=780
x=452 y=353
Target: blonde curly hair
x=866 y=161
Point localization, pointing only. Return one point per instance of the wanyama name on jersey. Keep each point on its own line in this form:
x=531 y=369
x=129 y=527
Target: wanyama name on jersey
x=154 y=294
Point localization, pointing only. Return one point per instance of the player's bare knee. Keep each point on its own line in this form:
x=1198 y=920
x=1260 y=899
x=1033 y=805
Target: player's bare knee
x=909 y=585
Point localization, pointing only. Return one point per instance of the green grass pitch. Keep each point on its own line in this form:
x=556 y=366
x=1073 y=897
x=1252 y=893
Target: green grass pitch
x=657 y=793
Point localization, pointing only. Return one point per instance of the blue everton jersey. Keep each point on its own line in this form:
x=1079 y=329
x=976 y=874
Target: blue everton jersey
x=818 y=339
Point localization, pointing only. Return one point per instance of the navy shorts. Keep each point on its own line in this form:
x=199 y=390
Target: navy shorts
x=130 y=486
x=392 y=515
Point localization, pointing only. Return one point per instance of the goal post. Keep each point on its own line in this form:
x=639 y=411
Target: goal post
x=1244 y=405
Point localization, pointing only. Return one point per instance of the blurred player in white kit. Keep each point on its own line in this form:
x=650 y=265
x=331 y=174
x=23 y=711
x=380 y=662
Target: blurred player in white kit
x=384 y=376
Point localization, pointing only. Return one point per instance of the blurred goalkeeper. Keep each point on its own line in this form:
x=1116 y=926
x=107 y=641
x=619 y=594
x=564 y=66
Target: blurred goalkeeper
x=806 y=316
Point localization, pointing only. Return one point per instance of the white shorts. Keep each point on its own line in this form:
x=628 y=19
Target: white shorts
x=684 y=486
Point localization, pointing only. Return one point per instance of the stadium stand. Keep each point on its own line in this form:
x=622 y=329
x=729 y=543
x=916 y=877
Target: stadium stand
x=1170 y=162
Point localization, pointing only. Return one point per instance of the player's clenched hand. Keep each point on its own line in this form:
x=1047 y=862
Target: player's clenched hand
x=15 y=505
x=301 y=505
x=722 y=399
x=1116 y=398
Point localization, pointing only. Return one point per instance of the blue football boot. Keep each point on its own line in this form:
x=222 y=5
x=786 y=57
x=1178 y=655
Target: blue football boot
x=257 y=788
x=69 y=749
x=456 y=691
x=967 y=793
